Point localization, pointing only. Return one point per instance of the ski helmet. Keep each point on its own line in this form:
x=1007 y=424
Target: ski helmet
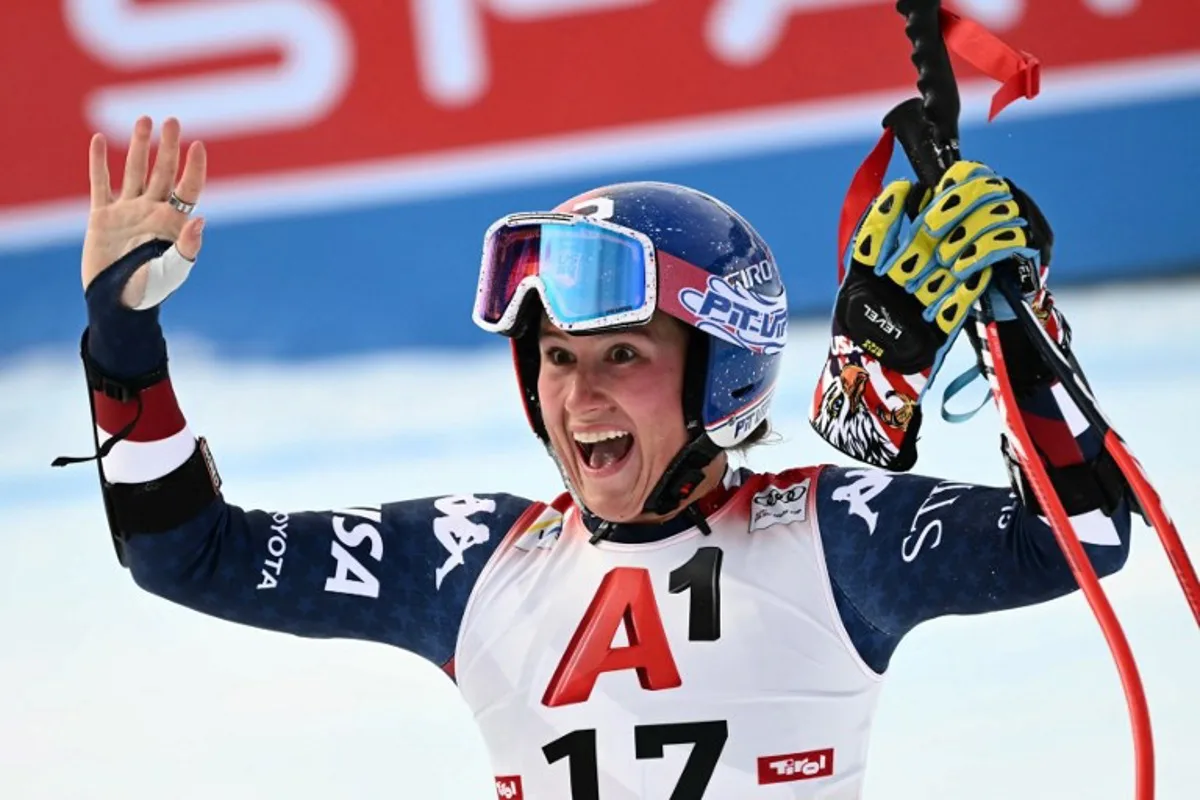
x=644 y=247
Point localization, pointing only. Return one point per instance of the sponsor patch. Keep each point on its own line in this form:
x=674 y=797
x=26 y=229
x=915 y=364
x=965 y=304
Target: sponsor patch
x=775 y=506
x=542 y=534
x=508 y=787
x=795 y=766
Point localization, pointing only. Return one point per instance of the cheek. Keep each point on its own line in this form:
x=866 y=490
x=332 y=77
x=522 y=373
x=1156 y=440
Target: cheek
x=550 y=397
x=657 y=404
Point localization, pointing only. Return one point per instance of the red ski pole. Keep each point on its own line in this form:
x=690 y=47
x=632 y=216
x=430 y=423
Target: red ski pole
x=928 y=130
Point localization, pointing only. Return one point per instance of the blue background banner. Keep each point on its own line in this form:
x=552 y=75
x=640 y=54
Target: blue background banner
x=1116 y=183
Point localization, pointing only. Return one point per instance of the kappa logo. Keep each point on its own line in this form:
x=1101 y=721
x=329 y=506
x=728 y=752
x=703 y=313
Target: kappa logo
x=508 y=787
x=868 y=484
x=456 y=532
x=774 y=506
x=795 y=766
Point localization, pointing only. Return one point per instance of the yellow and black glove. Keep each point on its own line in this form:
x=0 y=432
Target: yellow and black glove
x=920 y=259
x=916 y=265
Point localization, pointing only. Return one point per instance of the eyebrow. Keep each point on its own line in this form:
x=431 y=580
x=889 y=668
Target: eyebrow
x=548 y=330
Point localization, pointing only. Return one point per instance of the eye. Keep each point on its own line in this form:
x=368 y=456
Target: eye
x=622 y=354
x=558 y=356
x=834 y=407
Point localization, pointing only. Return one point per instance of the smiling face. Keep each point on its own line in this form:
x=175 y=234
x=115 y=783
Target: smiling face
x=612 y=405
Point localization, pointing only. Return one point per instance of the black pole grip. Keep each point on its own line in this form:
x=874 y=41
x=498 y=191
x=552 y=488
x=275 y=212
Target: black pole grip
x=935 y=75
x=916 y=136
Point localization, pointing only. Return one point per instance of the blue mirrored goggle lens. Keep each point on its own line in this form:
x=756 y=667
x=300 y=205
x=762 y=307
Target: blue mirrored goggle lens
x=588 y=272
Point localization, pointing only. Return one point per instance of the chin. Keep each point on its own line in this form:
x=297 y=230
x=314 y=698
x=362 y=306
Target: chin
x=612 y=508
x=612 y=493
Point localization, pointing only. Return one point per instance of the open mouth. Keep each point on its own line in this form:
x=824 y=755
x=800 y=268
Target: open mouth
x=603 y=451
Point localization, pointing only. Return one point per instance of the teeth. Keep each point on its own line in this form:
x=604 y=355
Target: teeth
x=591 y=437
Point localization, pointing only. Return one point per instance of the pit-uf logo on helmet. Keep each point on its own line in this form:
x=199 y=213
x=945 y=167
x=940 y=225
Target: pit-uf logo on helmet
x=731 y=430
x=738 y=315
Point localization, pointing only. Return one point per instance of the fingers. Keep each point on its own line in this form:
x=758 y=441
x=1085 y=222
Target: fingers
x=138 y=179
x=952 y=311
x=965 y=185
x=878 y=228
x=166 y=161
x=137 y=161
x=190 y=238
x=101 y=184
x=964 y=239
x=195 y=170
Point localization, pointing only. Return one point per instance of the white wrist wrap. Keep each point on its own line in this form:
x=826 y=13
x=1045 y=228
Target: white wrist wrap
x=164 y=275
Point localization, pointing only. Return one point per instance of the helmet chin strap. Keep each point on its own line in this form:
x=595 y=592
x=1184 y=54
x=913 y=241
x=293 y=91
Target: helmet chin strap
x=682 y=476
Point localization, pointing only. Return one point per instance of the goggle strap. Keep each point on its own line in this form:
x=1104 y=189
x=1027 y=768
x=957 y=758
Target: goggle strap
x=674 y=276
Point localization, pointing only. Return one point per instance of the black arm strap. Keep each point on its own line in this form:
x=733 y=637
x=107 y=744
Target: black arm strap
x=1087 y=486
x=154 y=506
x=166 y=503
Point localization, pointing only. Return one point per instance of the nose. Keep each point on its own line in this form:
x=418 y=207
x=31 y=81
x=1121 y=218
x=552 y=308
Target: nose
x=587 y=393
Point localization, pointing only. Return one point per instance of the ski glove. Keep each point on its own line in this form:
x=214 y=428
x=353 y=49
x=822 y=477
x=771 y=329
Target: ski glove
x=916 y=265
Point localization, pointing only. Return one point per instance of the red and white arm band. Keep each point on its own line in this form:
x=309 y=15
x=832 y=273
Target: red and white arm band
x=158 y=444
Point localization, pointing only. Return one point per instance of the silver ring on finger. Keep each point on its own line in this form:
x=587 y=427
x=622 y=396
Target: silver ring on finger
x=182 y=206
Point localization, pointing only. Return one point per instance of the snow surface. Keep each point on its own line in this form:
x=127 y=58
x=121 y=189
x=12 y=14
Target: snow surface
x=110 y=692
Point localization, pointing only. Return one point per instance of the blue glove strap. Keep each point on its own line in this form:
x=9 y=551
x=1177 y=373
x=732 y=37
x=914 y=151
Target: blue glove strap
x=957 y=385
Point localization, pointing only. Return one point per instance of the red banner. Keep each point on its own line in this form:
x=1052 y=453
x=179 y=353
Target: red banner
x=284 y=84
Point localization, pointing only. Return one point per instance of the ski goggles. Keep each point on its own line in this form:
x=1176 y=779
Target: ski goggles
x=594 y=275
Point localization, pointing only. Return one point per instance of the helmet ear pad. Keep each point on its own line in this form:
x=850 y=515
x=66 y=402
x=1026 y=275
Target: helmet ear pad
x=695 y=373
x=735 y=387
x=527 y=359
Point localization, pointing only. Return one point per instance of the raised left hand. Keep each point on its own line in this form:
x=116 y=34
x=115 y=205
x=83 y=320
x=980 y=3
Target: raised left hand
x=140 y=212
